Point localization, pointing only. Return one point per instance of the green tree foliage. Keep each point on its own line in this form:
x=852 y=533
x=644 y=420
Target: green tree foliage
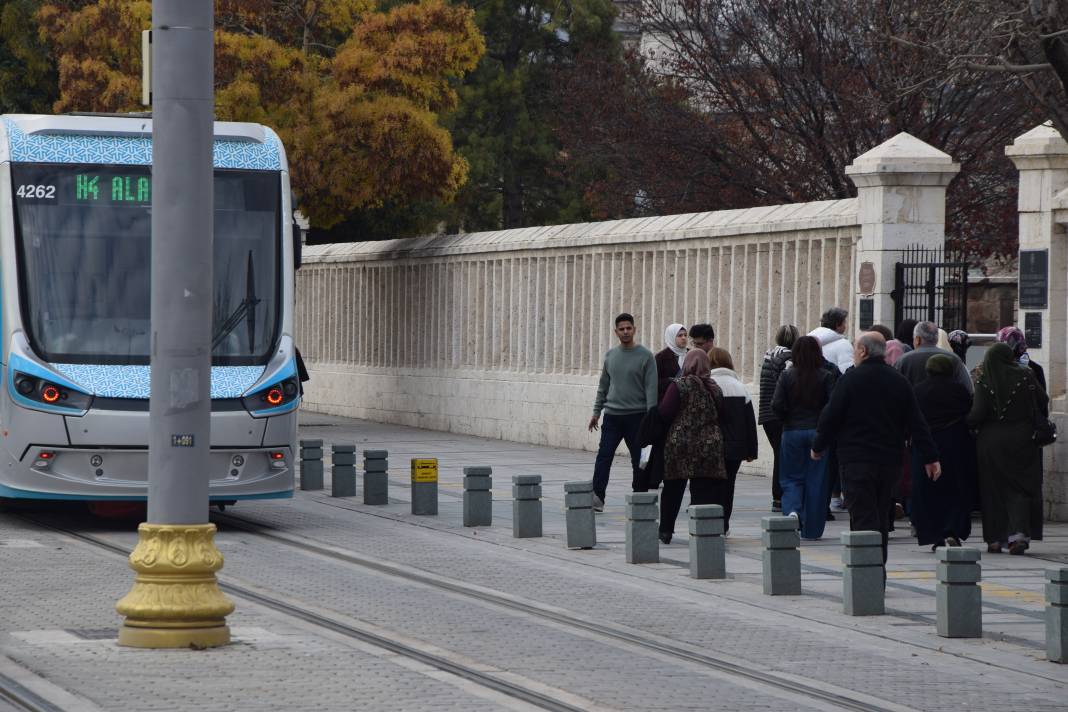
x=355 y=92
x=506 y=125
x=28 y=79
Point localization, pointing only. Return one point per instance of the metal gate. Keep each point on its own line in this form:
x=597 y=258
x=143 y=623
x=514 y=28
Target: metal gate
x=931 y=284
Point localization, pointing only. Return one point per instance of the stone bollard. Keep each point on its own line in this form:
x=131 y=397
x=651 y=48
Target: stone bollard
x=311 y=464
x=708 y=552
x=526 y=506
x=376 y=477
x=478 y=499
x=958 y=598
x=782 y=560
x=424 y=485
x=1057 y=615
x=863 y=589
x=581 y=526
x=643 y=546
x=343 y=470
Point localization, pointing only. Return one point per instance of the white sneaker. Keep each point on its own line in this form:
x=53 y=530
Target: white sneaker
x=794 y=515
x=837 y=504
x=598 y=504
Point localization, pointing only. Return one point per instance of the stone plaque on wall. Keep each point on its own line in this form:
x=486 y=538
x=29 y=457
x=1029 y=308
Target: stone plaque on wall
x=866 y=313
x=1034 y=279
x=866 y=278
x=1033 y=329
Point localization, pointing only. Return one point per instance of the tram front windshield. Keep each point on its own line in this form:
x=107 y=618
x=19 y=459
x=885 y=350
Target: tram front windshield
x=85 y=257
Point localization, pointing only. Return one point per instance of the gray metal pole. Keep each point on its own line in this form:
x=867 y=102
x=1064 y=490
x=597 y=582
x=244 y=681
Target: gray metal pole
x=182 y=212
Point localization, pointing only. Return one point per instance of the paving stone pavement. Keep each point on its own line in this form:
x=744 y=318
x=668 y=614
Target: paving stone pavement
x=65 y=633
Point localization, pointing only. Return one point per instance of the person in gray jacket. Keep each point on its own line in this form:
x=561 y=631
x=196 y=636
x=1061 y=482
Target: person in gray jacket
x=913 y=365
x=626 y=391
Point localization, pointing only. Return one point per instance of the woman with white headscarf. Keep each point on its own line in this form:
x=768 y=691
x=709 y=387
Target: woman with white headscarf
x=669 y=360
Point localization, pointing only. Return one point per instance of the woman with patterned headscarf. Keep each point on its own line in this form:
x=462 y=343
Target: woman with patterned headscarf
x=1010 y=463
x=1015 y=339
x=941 y=509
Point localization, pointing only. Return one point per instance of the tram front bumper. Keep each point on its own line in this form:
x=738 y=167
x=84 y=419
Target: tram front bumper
x=91 y=473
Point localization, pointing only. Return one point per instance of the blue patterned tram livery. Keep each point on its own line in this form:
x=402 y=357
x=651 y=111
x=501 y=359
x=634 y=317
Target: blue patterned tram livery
x=75 y=201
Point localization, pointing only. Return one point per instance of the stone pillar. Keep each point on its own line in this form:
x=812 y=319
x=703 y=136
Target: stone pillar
x=376 y=477
x=311 y=464
x=958 y=598
x=781 y=559
x=863 y=579
x=901 y=202
x=343 y=470
x=581 y=525
x=708 y=554
x=526 y=506
x=642 y=544
x=1057 y=615
x=1041 y=156
x=478 y=497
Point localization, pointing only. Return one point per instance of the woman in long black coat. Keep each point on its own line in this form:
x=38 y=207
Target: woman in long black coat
x=1007 y=396
x=941 y=509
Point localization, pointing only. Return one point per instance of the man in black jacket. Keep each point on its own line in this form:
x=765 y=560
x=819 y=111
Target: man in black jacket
x=872 y=412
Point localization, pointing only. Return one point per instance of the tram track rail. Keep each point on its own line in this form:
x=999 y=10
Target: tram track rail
x=22 y=698
x=837 y=698
x=769 y=679
x=27 y=700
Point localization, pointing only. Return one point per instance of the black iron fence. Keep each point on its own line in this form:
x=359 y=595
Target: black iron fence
x=931 y=284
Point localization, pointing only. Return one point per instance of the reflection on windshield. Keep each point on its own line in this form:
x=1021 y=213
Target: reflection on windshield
x=85 y=255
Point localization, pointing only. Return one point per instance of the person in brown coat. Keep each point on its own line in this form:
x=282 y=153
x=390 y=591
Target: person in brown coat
x=693 y=448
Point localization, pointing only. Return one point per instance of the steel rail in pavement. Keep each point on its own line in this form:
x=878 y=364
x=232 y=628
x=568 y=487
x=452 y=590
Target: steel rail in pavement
x=723 y=665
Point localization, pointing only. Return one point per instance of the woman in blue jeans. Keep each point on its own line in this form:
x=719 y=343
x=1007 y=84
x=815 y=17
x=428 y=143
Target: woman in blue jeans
x=800 y=395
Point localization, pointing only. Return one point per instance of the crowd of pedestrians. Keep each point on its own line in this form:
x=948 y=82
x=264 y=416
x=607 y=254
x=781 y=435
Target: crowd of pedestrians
x=888 y=423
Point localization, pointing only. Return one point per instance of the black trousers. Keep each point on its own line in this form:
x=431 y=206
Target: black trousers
x=616 y=429
x=867 y=489
x=773 y=430
x=702 y=491
x=723 y=495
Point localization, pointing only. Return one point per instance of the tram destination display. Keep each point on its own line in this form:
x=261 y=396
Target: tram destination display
x=87 y=186
x=1034 y=279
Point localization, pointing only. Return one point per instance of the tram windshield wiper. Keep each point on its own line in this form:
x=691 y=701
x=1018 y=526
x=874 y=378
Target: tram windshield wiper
x=245 y=310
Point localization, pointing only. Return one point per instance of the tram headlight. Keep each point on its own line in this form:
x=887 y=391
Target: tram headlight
x=50 y=394
x=276 y=395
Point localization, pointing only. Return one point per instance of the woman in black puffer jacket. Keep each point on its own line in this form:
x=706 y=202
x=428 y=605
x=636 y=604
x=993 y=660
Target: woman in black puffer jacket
x=775 y=360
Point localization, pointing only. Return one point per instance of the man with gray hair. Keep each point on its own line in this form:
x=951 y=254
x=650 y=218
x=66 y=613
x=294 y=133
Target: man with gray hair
x=872 y=412
x=913 y=365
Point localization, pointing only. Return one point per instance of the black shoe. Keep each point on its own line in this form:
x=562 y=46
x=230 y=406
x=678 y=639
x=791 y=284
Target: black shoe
x=1017 y=548
x=934 y=547
x=776 y=505
x=952 y=541
x=830 y=516
x=665 y=537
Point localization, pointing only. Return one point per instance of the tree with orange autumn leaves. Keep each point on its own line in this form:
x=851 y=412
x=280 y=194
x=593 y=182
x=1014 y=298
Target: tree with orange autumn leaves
x=354 y=92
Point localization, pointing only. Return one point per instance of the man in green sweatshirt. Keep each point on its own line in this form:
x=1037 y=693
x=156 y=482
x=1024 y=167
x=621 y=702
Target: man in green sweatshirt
x=626 y=391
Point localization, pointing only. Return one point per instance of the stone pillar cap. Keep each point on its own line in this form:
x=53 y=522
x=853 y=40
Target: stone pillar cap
x=1042 y=140
x=904 y=154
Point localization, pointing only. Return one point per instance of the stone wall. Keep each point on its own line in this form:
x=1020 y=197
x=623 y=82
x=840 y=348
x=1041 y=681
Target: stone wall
x=502 y=334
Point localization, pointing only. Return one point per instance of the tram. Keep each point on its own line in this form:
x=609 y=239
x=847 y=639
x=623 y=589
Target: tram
x=75 y=200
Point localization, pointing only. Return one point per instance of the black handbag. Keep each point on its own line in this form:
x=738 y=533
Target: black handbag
x=1045 y=429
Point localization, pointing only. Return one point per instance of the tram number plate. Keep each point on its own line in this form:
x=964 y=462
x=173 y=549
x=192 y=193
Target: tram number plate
x=181 y=441
x=424 y=470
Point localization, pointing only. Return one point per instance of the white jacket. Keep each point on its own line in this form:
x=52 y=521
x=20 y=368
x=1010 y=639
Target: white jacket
x=836 y=348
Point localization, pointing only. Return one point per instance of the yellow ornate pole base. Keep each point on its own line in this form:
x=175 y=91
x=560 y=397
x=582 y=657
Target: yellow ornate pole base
x=175 y=601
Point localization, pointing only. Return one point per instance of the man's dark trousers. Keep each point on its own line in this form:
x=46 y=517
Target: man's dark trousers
x=867 y=488
x=616 y=428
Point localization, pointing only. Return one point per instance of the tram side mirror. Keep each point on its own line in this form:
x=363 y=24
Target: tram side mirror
x=298 y=235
